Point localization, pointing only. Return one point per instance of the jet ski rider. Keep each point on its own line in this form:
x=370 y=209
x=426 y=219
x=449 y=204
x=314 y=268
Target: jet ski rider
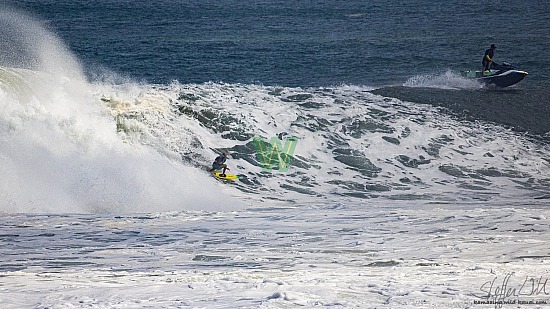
x=488 y=59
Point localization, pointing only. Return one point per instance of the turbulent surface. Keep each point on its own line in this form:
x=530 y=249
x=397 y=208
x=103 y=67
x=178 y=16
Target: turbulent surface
x=430 y=194
x=351 y=143
x=271 y=257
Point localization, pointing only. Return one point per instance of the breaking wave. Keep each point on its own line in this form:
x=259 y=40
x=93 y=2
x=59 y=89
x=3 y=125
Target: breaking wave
x=60 y=148
x=71 y=145
x=352 y=144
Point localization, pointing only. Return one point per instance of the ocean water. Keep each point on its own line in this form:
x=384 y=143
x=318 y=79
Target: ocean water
x=300 y=43
x=410 y=186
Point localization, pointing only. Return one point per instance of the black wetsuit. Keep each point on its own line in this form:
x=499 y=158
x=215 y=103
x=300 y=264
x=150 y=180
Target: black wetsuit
x=219 y=162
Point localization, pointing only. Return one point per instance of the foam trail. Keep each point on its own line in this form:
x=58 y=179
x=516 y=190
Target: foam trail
x=445 y=80
x=60 y=150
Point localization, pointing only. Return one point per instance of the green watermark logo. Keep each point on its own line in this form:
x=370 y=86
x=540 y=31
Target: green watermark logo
x=273 y=154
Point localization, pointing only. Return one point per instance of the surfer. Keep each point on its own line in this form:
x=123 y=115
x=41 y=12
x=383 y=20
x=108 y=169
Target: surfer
x=219 y=163
x=488 y=59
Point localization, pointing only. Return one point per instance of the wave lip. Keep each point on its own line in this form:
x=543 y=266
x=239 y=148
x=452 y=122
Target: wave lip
x=26 y=43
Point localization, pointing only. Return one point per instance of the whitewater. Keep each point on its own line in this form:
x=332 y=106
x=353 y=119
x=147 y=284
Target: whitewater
x=106 y=201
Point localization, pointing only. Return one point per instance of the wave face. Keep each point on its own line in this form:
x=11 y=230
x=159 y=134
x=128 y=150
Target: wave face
x=353 y=144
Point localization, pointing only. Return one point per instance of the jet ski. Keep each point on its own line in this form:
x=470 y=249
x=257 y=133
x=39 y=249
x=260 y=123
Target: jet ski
x=501 y=75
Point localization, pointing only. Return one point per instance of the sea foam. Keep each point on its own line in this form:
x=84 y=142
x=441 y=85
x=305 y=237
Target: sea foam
x=60 y=148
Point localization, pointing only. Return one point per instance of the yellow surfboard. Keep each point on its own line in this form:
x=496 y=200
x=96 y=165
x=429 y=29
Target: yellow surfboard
x=226 y=177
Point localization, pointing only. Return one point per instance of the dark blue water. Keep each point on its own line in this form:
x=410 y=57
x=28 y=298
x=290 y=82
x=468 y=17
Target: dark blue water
x=297 y=43
x=381 y=44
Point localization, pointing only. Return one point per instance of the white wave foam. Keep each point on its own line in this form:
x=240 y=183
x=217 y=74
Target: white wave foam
x=346 y=257
x=454 y=155
x=60 y=148
x=61 y=153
